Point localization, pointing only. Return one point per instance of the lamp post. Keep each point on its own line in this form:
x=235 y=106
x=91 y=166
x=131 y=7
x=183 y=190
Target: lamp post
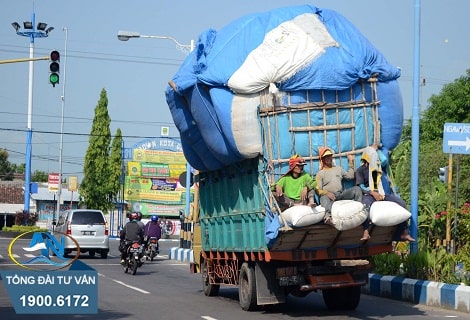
x=125 y=36
x=31 y=32
x=62 y=98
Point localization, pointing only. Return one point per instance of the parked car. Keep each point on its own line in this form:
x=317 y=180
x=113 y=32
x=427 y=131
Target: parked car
x=88 y=227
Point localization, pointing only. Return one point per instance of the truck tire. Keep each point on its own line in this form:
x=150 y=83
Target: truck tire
x=210 y=290
x=247 y=287
x=342 y=298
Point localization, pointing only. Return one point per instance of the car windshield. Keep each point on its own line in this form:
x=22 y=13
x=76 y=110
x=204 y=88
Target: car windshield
x=87 y=217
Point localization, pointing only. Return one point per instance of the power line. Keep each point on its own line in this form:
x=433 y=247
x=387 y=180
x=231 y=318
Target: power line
x=77 y=134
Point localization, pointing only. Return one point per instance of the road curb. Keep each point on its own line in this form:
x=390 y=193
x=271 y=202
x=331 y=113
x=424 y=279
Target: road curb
x=180 y=254
x=430 y=293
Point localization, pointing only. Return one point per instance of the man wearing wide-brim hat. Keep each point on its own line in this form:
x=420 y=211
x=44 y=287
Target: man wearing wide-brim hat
x=295 y=187
x=329 y=180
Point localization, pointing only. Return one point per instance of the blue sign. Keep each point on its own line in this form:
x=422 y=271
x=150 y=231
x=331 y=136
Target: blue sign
x=127 y=153
x=456 y=138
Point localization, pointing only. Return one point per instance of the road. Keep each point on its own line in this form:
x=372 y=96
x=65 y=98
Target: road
x=165 y=289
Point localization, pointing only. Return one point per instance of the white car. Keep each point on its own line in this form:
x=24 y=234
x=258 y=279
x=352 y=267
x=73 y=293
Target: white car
x=88 y=227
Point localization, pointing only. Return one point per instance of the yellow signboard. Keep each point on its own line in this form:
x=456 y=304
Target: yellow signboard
x=163 y=191
x=156 y=170
x=73 y=183
x=156 y=156
x=152 y=180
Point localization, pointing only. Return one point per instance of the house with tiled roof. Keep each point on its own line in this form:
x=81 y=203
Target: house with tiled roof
x=42 y=202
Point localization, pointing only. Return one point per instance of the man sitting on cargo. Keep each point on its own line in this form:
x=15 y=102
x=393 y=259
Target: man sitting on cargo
x=295 y=187
x=329 y=180
x=371 y=170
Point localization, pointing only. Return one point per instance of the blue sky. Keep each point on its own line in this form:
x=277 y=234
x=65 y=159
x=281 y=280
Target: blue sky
x=135 y=73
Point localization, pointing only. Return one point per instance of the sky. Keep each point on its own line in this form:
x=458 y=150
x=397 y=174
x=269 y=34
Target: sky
x=135 y=73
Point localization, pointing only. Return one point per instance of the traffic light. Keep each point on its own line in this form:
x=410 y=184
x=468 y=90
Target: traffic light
x=444 y=174
x=54 y=67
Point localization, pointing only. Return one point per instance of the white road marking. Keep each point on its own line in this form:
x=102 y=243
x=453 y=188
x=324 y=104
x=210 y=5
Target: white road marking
x=208 y=318
x=125 y=285
x=130 y=287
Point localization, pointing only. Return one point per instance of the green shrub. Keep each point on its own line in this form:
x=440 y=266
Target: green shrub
x=23 y=229
x=387 y=263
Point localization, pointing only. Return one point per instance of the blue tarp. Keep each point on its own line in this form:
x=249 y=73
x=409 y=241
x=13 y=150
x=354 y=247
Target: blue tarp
x=295 y=48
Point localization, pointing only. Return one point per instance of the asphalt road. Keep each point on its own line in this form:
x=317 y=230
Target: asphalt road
x=165 y=289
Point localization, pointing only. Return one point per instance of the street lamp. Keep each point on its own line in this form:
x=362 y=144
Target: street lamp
x=31 y=33
x=125 y=36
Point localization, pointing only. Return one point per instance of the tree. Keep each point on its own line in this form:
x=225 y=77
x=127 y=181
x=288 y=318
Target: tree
x=452 y=105
x=116 y=165
x=95 y=188
x=6 y=168
x=39 y=176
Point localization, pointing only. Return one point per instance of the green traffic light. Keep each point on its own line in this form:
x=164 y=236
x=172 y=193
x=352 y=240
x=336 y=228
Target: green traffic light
x=54 y=78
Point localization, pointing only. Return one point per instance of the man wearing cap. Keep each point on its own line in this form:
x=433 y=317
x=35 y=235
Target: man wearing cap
x=296 y=186
x=329 y=180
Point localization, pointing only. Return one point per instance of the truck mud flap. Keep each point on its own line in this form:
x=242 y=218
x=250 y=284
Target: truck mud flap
x=268 y=290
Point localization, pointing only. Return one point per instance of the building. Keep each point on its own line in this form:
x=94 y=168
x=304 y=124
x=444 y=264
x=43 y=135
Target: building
x=43 y=202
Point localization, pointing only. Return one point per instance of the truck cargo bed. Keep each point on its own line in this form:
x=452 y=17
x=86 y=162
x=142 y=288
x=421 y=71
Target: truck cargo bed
x=324 y=236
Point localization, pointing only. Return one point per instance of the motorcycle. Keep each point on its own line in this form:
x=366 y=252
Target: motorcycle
x=152 y=249
x=134 y=258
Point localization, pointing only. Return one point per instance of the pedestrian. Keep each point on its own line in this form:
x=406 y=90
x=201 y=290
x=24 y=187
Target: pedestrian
x=295 y=187
x=329 y=182
x=369 y=171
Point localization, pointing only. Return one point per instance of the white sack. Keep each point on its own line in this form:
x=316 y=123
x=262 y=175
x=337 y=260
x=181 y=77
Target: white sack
x=347 y=214
x=388 y=213
x=285 y=50
x=302 y=216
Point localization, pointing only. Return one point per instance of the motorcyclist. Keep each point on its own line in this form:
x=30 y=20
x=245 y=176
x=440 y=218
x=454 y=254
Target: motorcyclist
x=152 y=229
x=131 y=232
x=139 y=218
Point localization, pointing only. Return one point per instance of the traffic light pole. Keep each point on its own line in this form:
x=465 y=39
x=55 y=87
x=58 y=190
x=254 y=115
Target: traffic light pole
x=23 y=60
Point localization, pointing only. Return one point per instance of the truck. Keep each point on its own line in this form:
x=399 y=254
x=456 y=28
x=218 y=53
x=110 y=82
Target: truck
x=239 y=142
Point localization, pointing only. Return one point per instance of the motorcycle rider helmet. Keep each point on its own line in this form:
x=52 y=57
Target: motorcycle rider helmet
x=139 y=215
x=133 y=216
x=154 y=218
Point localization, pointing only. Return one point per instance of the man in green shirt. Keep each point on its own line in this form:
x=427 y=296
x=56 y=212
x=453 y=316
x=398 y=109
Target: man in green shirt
x=296 y=187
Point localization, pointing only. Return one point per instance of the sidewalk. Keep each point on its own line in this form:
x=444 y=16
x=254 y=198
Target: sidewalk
x=430 y=293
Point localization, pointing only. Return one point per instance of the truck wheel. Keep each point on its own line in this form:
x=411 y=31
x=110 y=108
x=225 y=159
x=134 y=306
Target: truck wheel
x=342 y=298
x=210 y=290
x=247 y=287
